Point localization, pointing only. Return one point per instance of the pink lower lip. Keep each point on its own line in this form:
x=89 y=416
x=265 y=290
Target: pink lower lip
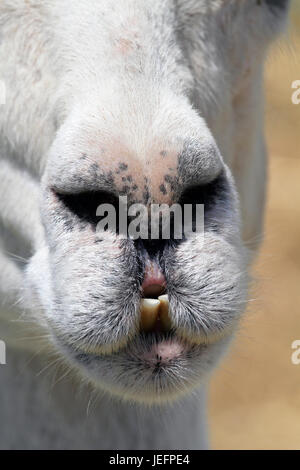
x=164 y=351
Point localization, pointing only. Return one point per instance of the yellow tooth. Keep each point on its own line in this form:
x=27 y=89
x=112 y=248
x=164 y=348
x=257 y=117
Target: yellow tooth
x=164 y=312
x=149 y=313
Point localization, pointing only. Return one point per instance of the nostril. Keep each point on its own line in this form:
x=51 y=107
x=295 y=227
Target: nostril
x=206 y=194
x=84 y=204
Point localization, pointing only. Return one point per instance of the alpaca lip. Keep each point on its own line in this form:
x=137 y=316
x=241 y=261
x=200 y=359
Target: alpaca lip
x=153 y=290
x=158 y=349
x=162 y=352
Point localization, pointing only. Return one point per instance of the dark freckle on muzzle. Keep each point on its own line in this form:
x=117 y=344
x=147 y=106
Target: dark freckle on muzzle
x=162 y=189
x=123 y=166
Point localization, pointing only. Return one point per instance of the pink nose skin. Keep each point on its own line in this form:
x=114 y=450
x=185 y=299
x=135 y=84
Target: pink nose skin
x=154 y=283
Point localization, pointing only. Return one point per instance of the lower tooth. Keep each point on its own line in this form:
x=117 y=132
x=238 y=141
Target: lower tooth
x=164 y=312
x=149 y=313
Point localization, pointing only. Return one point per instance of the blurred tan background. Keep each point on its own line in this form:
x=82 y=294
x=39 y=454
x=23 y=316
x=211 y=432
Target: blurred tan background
x=255 y=395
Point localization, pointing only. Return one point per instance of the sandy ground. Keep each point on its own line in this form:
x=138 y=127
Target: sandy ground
x=255 y=395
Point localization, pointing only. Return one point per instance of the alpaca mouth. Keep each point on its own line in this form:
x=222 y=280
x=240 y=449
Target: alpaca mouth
x=161 y=344
x=155 y=314
x=157 y=363
x=155 y=342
